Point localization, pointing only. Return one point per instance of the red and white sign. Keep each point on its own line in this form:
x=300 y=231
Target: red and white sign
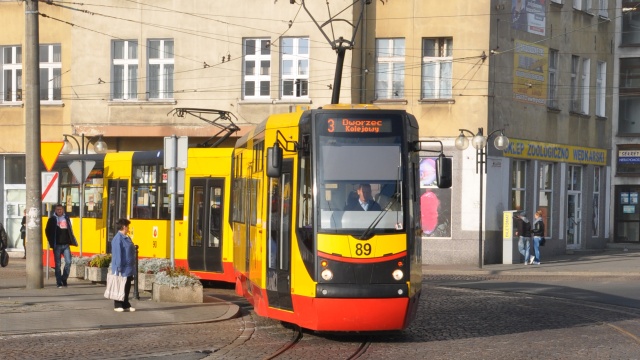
x=155 y=232
x=49 y=187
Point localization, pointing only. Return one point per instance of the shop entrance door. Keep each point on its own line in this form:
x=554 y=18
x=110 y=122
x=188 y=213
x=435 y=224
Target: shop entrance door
x=574 y=207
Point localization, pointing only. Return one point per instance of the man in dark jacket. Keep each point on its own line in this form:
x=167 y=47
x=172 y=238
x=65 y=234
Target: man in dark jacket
x=60 y=236
x=523 y=230
x=364 y=202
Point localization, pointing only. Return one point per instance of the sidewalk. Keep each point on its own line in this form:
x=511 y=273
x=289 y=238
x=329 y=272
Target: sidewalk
x=608 y=262
x=82 y=306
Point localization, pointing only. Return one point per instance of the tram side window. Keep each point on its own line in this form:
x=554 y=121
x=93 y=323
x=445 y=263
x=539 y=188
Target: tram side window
x=238 y=200
x=148 y=192
x=70 y=194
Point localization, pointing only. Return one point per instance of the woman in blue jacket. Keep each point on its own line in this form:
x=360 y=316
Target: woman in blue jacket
x=123 y=262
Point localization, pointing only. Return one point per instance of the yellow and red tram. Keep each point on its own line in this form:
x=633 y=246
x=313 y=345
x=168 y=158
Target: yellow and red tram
x=133 y=185
x=302 y=253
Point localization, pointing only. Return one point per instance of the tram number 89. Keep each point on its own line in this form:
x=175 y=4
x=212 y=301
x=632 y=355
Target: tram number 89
x=363 y=249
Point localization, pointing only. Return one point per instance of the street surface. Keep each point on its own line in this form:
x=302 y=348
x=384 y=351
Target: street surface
x=460 y=317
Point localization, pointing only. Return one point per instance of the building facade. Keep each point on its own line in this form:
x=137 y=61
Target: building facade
x=540 y=71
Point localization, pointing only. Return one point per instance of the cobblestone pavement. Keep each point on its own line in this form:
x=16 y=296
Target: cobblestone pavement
x=453 y=322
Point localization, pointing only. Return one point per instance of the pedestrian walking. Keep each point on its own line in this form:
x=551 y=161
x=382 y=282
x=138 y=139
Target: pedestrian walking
x=60 y=236
x=123 y=262
x=538 y=235
x=523 y=230
x=23 y=232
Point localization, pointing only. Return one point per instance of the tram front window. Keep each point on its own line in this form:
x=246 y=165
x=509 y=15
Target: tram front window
x=359 y=185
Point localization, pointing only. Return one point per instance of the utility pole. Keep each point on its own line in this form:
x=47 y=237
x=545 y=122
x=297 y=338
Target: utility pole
x=32 y=145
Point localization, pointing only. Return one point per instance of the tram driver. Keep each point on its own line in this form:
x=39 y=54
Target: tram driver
x=364 y=201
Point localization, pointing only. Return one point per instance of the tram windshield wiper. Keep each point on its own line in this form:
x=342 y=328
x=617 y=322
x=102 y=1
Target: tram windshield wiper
x=375 y=221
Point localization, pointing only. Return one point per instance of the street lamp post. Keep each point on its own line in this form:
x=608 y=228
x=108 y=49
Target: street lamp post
x=100 y=147
x=479 y=142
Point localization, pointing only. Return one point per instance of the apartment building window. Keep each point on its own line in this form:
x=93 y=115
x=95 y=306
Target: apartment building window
x=295 y=67
x=390 y=69
x=50 y=72
x=553 y=79
x=545 y=193
x=629 y=99
x=603 y=10
x=11 y=73
x=437 y=67
x=595 y=228
x=580 y=84
x=601 y=88
x=584 y=5
x=584 y=85
x=257 y=69
x=161 y=65
x=630 y=22
x=518 y=176
x=125 y=70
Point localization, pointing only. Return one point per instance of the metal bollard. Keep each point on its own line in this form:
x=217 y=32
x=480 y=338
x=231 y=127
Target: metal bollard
x=136 y=294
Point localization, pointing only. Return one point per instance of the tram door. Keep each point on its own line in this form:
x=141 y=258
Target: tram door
x=116 y=208
x=279 y=240
x=205 y=228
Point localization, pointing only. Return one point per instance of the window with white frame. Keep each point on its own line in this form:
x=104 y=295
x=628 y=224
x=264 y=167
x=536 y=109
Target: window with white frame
x=557 y=1
x=603 y=9
x=295 y=67
x=437 y=67
x=124 y=84
x=161 y=65
x=553 y=79
x=585 y=78
x=575 y=70
x=584 y=5
x=518 y=186
x=257 y=69
x=390 y=61
x=595 y=228
x=545 y=194
x=50 y=73
x=601 y=83
x=11 y=73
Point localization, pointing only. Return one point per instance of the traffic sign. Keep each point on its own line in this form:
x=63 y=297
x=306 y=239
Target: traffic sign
x=77 y=169
x=49 y=152
x=49 y=187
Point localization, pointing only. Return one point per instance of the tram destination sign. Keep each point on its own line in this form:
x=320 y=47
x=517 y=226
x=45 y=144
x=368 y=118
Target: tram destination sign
x=346 y=125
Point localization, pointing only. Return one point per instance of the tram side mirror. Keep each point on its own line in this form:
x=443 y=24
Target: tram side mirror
x=274 y=161
x=443 y=172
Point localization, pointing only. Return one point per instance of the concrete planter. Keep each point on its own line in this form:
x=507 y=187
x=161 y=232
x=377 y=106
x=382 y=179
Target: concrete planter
x=96 y=274
x=77 y=271
x=145 y=281
x=188 y=294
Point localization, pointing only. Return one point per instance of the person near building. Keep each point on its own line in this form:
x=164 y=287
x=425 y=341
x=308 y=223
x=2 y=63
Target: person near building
x=523 y=231
x=60 y=236
x=23 y=233
x=538 y=234
x=123 y=262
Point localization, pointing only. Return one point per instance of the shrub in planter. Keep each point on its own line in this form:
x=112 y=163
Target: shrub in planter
x=177 y=285
x=98 y=267
x=78 y=263
x=147 y=270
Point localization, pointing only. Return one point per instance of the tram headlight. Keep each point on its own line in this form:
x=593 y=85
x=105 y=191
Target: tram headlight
x=326 y=274
x=398 y=274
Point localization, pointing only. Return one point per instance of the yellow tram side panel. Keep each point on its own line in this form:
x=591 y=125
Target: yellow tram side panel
x=117 y=166
x=288 y=126
x=202 y=163
x=94 y=231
